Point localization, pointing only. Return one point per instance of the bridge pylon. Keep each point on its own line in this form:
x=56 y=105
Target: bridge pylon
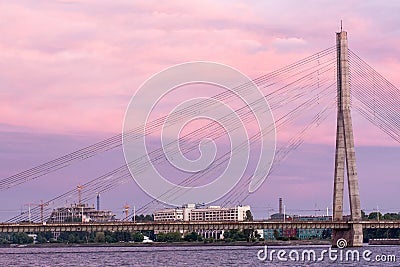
x=345 y=153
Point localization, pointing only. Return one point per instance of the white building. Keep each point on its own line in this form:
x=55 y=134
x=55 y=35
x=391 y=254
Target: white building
x=190 y=212
x=168 y=215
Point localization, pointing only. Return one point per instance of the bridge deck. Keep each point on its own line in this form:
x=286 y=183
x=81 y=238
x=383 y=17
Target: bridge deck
x=188 y=226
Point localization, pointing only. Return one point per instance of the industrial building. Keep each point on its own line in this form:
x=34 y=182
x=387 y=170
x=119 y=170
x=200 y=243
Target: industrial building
x=80 y=212
x=315 y=233
x=268 y=234
x=281 y=215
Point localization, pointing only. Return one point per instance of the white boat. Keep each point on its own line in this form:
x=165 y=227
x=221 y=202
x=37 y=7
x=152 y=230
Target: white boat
x=146 y=239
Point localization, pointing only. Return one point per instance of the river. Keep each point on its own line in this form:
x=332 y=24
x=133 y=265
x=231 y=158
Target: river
x=198 y=256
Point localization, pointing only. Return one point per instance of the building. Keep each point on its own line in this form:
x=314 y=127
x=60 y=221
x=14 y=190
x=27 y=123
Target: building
x=313 y=233
x=168 y=215
x=216 y=213
x=281 y=217
x=192 y=212
x=80 y=212
x=269 y=234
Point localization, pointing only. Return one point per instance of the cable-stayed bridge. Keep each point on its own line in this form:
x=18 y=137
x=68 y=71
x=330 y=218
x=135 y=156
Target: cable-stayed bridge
x=301 y=95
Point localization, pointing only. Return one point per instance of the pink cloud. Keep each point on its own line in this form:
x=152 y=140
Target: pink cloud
x=76 y=63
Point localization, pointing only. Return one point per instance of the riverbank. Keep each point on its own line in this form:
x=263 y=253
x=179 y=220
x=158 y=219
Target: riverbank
x=177 y=244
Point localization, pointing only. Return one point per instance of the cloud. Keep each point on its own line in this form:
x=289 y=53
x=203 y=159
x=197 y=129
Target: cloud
x=289 y=44
x=74 y=67
x=251 y=46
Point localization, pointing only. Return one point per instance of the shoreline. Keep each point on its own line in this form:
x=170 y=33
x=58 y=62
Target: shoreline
x=173 y=244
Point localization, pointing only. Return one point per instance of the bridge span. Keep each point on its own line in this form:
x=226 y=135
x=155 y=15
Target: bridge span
x=190 y=226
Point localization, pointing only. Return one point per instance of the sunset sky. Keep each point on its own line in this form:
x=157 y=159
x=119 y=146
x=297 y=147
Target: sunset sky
x=68 y=69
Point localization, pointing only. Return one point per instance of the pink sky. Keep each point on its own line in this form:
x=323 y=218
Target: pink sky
x=70 y=67
x=61 y=59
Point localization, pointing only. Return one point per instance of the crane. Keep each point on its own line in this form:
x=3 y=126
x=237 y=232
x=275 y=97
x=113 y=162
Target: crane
x=126 y=210
x=41 y=205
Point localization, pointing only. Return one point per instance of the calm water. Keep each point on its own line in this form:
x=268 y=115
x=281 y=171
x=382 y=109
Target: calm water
x=177 y=256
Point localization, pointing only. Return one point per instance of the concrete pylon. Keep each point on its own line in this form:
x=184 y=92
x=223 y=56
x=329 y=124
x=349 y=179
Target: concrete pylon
x=345 y=153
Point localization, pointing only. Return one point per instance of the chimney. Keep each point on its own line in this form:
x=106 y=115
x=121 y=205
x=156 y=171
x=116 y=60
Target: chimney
x=98 y=201
x=280 y=206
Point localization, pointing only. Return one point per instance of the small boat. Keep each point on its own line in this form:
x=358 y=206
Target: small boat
x=146 y=239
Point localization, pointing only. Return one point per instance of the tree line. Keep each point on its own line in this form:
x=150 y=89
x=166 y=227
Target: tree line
x=72 y=237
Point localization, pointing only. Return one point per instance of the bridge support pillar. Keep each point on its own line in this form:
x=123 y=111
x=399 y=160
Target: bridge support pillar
x=345 y=158
x=353 y=236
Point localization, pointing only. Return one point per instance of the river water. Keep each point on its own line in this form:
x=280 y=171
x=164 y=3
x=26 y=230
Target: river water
x=197 y=256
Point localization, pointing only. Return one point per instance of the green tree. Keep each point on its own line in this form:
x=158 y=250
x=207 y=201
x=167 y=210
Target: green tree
x=173 y=237
x=44 y=237
x=249 y=216
x=137 y=237
x=4 y=241
x=374 y=216
x=380 y=233
x=363 y=215
x=109 y=238
x=41 y=239
x=249 y=233
x=144 y=218
x=169 y=237
x=193 y=236
x=22 y=238
x=100 y=237
x=76 y=237
x=161 y=237
x=391 y=216
x=234 y=235
x=326 y=234
x=72 y=238
x=122 y=236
